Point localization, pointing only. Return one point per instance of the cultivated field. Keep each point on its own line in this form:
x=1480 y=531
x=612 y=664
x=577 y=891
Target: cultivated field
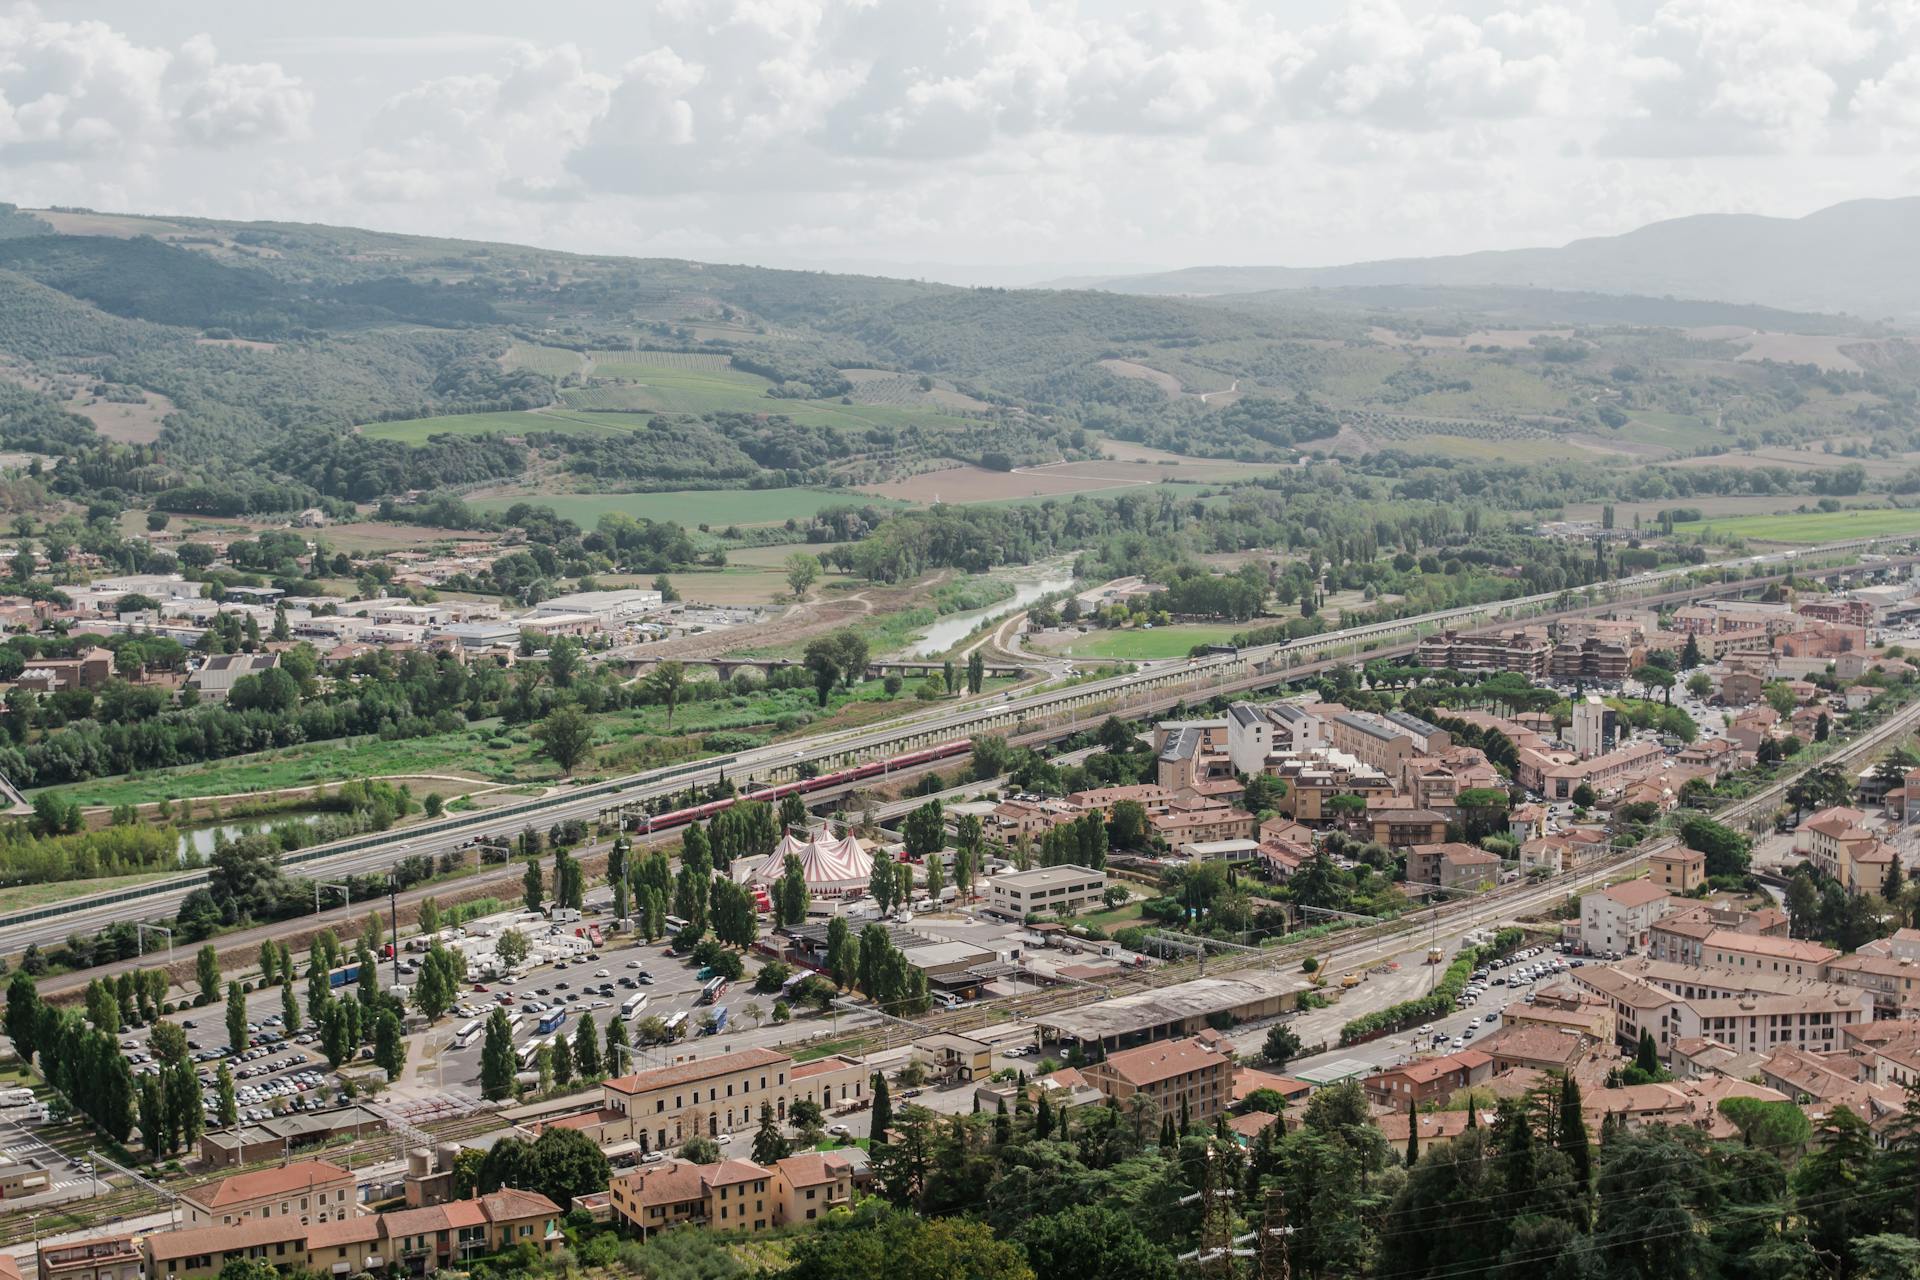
x=418 y=430
x=556 y=362
x=1799 y=348
x=1815 y=526
x=125 y=423
x=716 y=508
x=977 y=484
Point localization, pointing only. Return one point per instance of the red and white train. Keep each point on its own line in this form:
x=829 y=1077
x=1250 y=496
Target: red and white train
x=801 y=786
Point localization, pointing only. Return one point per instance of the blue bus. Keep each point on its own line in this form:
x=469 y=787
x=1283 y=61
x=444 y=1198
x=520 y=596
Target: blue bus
x=551 y=1020
x=346 y=973
x=719 y=1020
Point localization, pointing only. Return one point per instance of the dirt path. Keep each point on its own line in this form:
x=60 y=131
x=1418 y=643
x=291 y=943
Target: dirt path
x=1229 y=391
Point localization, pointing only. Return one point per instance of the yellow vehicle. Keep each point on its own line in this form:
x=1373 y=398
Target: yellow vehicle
x=1436 y=955
x=1352 y=980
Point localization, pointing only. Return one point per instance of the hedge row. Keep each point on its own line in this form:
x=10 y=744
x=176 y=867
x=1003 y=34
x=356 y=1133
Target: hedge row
x=1436 y=1005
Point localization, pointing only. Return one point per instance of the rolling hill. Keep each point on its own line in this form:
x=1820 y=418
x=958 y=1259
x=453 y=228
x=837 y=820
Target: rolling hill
x=1861 y=257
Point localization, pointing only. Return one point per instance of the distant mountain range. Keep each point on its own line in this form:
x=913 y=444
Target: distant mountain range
x=1860 y=257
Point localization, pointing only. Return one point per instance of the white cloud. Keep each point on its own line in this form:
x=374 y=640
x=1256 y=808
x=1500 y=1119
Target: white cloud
x=978 y=130
x=84 y=91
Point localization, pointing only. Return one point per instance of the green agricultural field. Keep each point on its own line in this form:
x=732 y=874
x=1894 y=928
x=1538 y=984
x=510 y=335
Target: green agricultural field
x=417 y=430
x=1812 y=527
x=555 y=362
x=1141 y=644
x=716 y=508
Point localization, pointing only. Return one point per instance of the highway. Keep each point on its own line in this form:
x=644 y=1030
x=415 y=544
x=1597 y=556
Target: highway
x=1029 y=718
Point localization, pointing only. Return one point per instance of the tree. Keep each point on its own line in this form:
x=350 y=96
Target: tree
x=229 y=1105
x=1728 y=852
x=1572 y=1136
x=790 y=895
x=269 y=960
x=373 y=931
x=1652 y=677
x=533 y=886
x=169 y=1043
x=1583 y=796
x=617 y=1044
x=882 y=1119
x=1822 y=728
x=586 y=1049
x=1690 y=655
x=1647 y=1054
x=1127 y=825
x=103 y=1007
x=1699 y=684
x=882 y=1242
x=567 y=1163
x=803 y=570
x=565 y=736
x=842 y=961
x=1281 y=1046
x=664 y=685
x=880 y=883
x=207 y=973
x=700 y=1150
x=925 y=830
x=389 y=1045
x=289 y=1007
x=23 y=1017
x=497 y=1060
x=769 y=1144
x=511 y=946
x=429 y=917
x=236 y=1018
x=438 y=985
x=976 y=672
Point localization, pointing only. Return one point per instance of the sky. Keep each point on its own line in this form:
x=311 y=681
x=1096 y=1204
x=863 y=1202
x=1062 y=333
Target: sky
x=975 y=140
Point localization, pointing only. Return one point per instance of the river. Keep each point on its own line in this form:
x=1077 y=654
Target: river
x=197 y=844
x=1037 y=580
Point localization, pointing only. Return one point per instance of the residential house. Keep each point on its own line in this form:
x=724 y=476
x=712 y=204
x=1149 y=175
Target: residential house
x=1181 y=1077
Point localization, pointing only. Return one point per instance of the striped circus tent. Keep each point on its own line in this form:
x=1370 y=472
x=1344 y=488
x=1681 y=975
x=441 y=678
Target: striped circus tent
x=833 y=866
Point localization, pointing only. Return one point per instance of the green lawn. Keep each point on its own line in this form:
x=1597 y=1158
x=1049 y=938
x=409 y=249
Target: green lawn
x=1813 y=527
x=556 y=362
x=1140 y=644
x=715 y=507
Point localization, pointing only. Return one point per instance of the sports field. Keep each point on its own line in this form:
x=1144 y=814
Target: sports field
x=716 y=508
x=1814 y=526
x=1141 y=645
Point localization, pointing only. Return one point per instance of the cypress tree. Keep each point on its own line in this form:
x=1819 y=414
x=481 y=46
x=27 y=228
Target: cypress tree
x=1573 y=1131
x=1186 y=1117
x=1413 y=1134
x=882 y=1110
x=1002 y=1125
x=1167 y=1137
x=497 y=1061
x=1473 y=1113
x=1043 y=1118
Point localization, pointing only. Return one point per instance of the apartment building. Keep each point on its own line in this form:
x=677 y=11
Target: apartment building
x=416 y=1241
x=1428 y=1080
x=1452 y=865
x=1892 y=981
x=1181 y=828
x=1067 y=889
x=1605 y=773
x=110 y=1257
x=1401 y=826
x=665 y=1106
x=1746 y=952
x=1677 y=870
x=1619 y=918
x=1527 y=651
x=307 y=1190
x=1838 y=845
x=1386 y=742
x=1600 y=661
x=1173 y=1074
x=1749 y=1012
x=732 y=1195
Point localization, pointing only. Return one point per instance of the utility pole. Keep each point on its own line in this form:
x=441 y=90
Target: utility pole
x=393 y=917
x=1274 y=1261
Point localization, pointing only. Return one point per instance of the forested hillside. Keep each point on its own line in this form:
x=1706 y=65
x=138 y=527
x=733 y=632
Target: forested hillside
x=317 y=364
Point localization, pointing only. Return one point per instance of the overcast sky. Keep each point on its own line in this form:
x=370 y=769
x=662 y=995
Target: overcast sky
x=912 y=133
